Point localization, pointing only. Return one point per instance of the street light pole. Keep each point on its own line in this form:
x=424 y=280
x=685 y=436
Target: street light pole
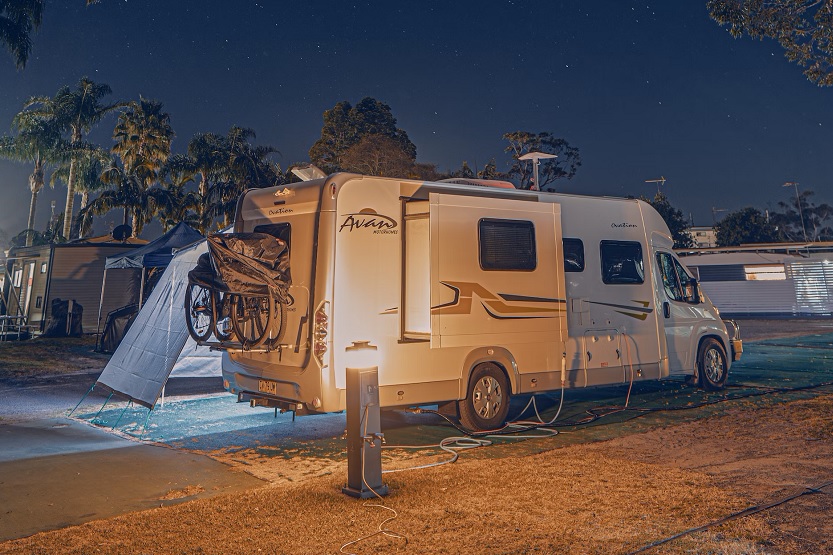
x=798 y=203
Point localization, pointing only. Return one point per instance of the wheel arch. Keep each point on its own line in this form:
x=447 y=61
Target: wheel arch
x=711 y=334
x=497 y=355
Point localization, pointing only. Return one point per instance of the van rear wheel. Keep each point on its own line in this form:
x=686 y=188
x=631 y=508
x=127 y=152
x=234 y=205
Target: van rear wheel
x=711 y=365
x=487 y=403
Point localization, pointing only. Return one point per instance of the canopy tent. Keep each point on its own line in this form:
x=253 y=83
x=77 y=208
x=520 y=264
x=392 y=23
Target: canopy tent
x=156 y=254
x=157 y=345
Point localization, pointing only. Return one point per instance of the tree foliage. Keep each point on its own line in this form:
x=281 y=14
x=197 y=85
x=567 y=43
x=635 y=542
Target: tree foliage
x=674 y=219
x=346 y=125
x=802 y=219
x=18 y=19
x=563 y=167
x=803 y=28
x=378 y=155
x=747 y=225
x=37 y=142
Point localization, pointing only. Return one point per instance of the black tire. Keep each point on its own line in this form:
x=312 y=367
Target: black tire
x=199 y=312
x=251 y=319
x=711 y=365
x=487 y=401
x=223 y=328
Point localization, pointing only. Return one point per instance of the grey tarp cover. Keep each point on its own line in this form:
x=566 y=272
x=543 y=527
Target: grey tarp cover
x=158 y=339
x=157 y=253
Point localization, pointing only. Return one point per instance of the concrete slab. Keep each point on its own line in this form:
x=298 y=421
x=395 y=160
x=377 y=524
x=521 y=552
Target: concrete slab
x=58 y=472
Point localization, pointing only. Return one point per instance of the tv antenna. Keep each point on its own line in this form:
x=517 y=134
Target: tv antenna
x=660 y=181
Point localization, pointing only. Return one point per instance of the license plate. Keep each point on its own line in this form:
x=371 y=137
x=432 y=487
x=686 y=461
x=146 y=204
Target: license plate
x=267 y=387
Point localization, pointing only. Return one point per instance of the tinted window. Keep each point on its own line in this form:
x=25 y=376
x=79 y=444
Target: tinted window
x=670 y=281
x=507 y=245
x=622 y=262
x=573 y=255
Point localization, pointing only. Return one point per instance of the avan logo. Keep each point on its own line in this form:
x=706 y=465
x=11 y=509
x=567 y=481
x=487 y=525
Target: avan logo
x=623 y=224
x=368 y=218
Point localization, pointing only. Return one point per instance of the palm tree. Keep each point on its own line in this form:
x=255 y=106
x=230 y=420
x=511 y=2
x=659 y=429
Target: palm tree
x=246 y=167
x=38 y=142
x=180 y=204
x=129 y=193
x=75 y=111
x=18 y=18
x=143 y=138
x=90 y=163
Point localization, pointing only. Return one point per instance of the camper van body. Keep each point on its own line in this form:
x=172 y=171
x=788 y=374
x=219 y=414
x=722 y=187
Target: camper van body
x=430 y=281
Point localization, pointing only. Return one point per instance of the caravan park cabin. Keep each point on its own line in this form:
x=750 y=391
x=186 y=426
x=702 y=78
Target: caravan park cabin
x=463 y=295
x=37 y=275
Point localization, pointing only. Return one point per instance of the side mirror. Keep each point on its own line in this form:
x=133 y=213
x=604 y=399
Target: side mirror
x=693 y=291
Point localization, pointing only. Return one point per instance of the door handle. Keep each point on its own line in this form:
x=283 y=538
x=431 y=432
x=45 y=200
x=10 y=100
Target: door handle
x=666 y=309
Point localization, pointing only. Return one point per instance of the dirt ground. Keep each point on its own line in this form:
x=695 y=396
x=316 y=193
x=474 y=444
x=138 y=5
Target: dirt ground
x=616 y=496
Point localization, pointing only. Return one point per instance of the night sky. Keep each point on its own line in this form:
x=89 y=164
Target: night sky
x=642 y=89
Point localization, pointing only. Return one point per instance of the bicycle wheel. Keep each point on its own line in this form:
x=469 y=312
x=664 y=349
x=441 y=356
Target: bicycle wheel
x=278 y=323
x=251 y=319
x=199 y=311
x=223 y=328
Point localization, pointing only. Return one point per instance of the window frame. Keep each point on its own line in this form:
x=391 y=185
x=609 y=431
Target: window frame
x=578 y=242
x=618 y=243
x=527 y=224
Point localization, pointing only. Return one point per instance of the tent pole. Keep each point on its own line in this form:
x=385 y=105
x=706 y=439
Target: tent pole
x=145 y=426
x=82 y=400
x=129 y=403
x=100 y=305
x=142 y=289
x=102 y=407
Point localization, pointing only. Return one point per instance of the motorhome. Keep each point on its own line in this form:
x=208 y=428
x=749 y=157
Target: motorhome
x=463 y=295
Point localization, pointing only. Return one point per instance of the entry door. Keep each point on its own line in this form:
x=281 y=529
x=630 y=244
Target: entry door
x=416 y=293
x=676 y=314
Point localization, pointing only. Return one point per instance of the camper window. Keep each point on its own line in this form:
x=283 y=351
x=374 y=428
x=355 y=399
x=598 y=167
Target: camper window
x=507 y=245
x=573 y=255
x=622 y=263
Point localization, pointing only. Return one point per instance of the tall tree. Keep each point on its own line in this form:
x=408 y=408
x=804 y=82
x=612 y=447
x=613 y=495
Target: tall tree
x=524 y=142
x=674 y=219
x=38 y=142
x=803 y=28
x=128 y=192
x=801 y=217
x=74 y=111
x=18 y=19
x=244 y=166
x=377 y=155
x=90 y=163
x=345 y=125
x=747 y=225
x=143 y=136
x=180 y=204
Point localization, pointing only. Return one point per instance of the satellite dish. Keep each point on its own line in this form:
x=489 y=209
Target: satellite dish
x=122 y=232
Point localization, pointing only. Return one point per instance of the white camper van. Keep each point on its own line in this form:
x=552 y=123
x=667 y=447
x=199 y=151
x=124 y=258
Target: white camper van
x=463 y=295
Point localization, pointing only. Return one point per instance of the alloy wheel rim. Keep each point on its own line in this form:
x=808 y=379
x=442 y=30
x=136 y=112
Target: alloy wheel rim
x=487 y=397
x=714 y=365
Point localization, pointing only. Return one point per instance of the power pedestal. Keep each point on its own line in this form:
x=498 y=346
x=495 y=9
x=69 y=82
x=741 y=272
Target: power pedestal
x=364 y=435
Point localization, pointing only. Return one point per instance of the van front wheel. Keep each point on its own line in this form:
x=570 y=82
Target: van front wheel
x=487 y=403
x=711 y=365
